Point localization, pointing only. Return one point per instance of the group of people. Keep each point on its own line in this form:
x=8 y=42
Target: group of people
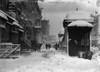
x=35 y=46
x=48 y=46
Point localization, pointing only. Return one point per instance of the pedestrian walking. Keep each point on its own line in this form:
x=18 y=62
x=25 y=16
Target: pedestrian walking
x=39 y=46
x=56 y=46
x=46 y=45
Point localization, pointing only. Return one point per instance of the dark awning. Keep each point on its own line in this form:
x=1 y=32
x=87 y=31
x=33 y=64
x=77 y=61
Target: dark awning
x=80 y=23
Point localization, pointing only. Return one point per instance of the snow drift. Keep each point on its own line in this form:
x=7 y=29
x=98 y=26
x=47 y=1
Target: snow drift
x=62 y=63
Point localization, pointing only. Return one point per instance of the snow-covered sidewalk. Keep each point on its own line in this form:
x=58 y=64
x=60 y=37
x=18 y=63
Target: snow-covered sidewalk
x=10 y=64
x=24 y=60
x=58 y=62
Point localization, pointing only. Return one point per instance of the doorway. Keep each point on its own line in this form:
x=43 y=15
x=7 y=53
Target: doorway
x=79 y=39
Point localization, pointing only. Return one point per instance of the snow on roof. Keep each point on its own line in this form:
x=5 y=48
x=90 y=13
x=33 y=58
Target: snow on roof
x=3 y=15
x=80 y=23
x=79 y=15
x=15 y=23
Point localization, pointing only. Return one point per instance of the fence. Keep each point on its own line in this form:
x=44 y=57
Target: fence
x=9 y=50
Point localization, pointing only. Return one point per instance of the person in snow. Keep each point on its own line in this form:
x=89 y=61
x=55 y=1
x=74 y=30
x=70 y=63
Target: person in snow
x=56 y=46
x=39 y=46
x=72 y=47
x=47 y=46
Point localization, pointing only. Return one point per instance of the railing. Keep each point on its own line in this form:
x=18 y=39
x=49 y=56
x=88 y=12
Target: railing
x=7 y=49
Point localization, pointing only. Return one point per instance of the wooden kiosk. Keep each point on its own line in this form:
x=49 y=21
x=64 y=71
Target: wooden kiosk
x=77 y=34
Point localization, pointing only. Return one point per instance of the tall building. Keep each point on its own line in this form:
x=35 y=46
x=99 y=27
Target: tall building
x=32 y=12
x=45 y=29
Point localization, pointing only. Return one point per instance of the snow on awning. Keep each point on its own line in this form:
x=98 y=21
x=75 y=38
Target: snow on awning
x=3 y=16
x=2 y=26
x=15 y=23
x=21 y=30
x=80 y=23
x=8 y=16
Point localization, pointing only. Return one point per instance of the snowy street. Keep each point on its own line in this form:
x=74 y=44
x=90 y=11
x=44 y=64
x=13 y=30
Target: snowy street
x=49 y=35
x=33 y=59
x=49 y=61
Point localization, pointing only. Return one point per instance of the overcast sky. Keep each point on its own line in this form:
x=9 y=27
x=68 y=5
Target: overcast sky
x=56 y=10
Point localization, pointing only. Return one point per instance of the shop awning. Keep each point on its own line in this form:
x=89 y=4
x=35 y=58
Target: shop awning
x=16 y=24
x=80 y=23
x=3 y=16
x=8 y=16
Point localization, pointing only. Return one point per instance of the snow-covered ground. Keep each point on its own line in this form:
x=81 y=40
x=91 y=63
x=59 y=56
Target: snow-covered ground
x=10 y=64
x=53 y=61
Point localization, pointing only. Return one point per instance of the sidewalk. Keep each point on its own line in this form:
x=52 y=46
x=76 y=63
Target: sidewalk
x=10 y=64
x=33 y=58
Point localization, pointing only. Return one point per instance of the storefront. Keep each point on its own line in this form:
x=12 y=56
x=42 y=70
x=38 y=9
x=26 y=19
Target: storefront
x=78 y=26
x=3 y=20
x=79 y=36
x=9 y=28
x=15 y=34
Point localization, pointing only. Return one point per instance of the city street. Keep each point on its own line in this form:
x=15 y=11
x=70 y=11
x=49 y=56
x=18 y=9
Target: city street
x=49 y=61
x=49 y=35
x=28 y=59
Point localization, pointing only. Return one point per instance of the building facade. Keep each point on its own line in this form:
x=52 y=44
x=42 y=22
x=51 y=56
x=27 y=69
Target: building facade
x=45 y=30
x=11 y=33
x=31 y=19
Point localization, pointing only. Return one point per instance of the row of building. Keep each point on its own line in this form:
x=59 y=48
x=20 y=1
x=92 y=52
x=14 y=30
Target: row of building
x=21 y=22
